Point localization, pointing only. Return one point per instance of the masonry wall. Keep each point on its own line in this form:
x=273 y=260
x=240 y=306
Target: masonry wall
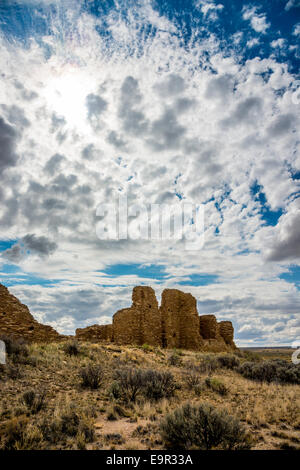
x=141 y=323
x=180 y=320
x=175 y=324
x=95 y=333
x=16 y=321
x=227 y=332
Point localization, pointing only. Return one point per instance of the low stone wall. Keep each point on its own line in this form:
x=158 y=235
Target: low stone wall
x=95 y=333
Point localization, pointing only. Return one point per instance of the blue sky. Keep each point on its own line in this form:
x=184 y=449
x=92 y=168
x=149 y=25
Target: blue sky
x=167 y=102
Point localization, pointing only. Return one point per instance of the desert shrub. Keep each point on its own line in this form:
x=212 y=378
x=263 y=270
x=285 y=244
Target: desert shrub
x=19 y=434
x=154 y=385
x=114 y=438
x=35 y=402
x=203 y=427
x=251 y=356
x=208 y=364
x=276 y=370
x=13 y=371
x=174 y=359
x=192 y=378
x=91 y=376
x=228 y=361
x=69 y=423
x=86 y=430
x=130 y=382
x=115 y=390
x=72 y=348
x=216 y=385
x=157 y=385
x=116 y=411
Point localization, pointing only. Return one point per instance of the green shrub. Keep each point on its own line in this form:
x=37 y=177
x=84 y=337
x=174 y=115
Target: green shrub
x=216 y=385
x=203 y=427
x=152 y=384
x=208 y=364
x=228 y=361
x=115 y=390
x=157 y=385
x=91 y=376
x=147 y=348
x=130 y=382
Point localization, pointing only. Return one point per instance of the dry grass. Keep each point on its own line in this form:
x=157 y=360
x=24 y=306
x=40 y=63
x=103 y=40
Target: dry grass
x=77 y=418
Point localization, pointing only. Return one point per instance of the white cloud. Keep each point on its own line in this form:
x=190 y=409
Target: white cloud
x=257 y=20
x=253 y=42
x=280 y=43
x=296 y=30
x=292 y=4
x=210 y=9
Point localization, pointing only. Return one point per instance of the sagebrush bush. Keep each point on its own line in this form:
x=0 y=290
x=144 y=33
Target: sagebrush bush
x=115 y=390
x=157 y=385
x=228 y=361
x=91 y=376
x=192 y=378
x=35 y=402
x=276 y=370
x=152 y=384
x=72 y=348
x=130 y=382
x=174 y=359
x=216 y=385
x=208 y=364
x=203 y=427
x=68 y=424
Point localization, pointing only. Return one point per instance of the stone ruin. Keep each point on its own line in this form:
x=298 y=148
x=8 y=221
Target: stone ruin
x=175 y=324
x=16 y=321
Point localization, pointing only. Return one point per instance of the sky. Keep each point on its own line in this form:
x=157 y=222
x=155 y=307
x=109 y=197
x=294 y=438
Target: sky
x=166 y=102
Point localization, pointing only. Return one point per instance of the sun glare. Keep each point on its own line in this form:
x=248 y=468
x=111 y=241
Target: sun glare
x=66 y=92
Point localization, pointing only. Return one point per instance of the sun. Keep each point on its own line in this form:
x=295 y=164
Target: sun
x=65 y=91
